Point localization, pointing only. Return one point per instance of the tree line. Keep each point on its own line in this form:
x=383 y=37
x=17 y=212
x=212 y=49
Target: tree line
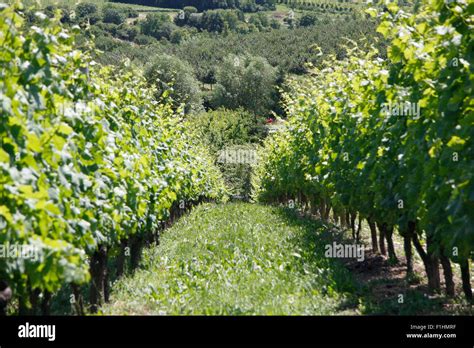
x=202 y=5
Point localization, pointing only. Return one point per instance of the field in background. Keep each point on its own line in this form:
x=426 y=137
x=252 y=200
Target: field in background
x=73 y=3
x=282 y=9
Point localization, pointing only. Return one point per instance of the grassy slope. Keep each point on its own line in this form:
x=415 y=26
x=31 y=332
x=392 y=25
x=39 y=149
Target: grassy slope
x=236 y=259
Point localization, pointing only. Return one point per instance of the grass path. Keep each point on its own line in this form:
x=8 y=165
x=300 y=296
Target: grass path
x=236 y=259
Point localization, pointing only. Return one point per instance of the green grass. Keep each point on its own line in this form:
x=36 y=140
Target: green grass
x=236 y=259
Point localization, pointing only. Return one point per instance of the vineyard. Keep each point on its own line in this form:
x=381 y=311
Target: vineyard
x=114 y=200
x=324 y=6
x=209 y=271
x=89 y=162
x=389 y=142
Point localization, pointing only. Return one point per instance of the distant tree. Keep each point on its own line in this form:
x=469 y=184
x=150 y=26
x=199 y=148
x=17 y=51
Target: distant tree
x=112 y=15
x=248 y=6
x=231 y=19
x=260 y=20
x=308 y=19
x=131 y=12
x=263 y=18
x=275 y=24
x=179 y=35
x=84 y=9
x=87 y=11
x=157 y=25
x=213 y=21
x=246 y=81
x=65 y=14
x=190 y=9
x=50 y=10
x=168 y=73
x=127 y=32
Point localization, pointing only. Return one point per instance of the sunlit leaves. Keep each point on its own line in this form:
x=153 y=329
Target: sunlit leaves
x=86 y=155
x=427 y=154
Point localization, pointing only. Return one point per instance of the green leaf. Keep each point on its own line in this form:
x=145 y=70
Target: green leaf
x=5 y=212
x=33 y=142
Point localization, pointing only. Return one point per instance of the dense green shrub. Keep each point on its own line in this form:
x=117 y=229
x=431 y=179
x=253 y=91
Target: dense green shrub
x=87 y=11
x=130 y=12
x=175 y=77
x=128 y=32
x=113 y=15
x=179 y=35
x=308 y=19
x=190 y=9
x=245 y=81
x=223 y=127
x=232 y=136
x=157 y=25
x=142 y=39
x=110 y=28
x=106 y=42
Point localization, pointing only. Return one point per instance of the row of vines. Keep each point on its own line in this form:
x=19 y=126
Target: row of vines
x=324 y=6
x=90 y=165
x=389 y=141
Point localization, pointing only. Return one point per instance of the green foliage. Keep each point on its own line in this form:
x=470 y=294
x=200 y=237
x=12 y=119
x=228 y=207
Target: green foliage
x=222 y=21
x=203 y=5
x=179 y=35
x=87 y=11
x=227 y=133
x=175 y=77
x=275 y=24
x=127 y=32
x=106 y=43
x=232 y=137
x=87 y=156
x=206 y=51
x=260 y=20
x=190 y=9
x=112 y=15
x=340 y=144
x=214 y=21
x=308 y=19
x=222 y=127
x=130 y=12
x=246 y=81
x=144 y=39
x=236 y=259
x=157 y=25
